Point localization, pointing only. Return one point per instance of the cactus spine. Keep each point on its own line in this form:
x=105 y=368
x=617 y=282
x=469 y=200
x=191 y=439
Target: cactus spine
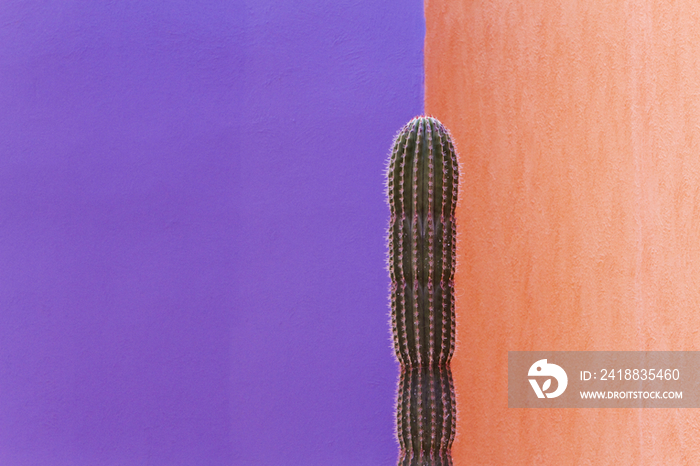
x=422 y=191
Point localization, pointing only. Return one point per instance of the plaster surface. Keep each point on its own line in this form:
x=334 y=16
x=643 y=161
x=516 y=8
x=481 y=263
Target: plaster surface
x=192 y=224
x=578 y=128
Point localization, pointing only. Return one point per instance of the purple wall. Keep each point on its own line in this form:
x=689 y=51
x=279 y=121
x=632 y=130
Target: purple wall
x=191 y=230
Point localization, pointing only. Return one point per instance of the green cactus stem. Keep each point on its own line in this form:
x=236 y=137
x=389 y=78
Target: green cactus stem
x=422 y=190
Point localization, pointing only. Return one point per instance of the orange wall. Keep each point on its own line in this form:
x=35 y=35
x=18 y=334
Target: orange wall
x=578 y=128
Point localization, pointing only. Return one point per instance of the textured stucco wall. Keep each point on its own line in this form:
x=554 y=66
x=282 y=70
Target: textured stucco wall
x=192 y=223
x=327 y=85
x=578 y=128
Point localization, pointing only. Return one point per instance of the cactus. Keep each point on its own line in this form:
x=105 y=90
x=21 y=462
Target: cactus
x=422 y=192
